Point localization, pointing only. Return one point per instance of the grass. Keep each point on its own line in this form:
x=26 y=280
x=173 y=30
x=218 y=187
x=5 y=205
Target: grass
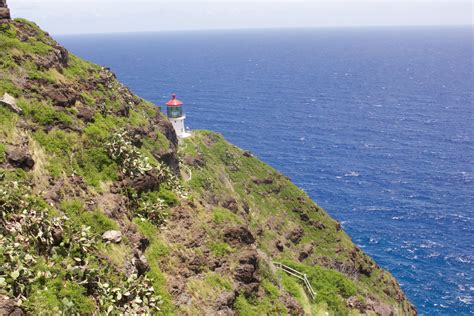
x=96 y=219
x=8 y=121
x=2 y=153
x=207 y=288
x=43 y=113
x=220 y=249
x=155 y=253
x=221 y=215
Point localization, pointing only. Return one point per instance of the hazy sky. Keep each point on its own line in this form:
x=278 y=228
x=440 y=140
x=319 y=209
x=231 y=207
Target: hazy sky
x=105 y=16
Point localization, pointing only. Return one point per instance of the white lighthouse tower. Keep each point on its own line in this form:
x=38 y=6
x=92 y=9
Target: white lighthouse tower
x=175 y=113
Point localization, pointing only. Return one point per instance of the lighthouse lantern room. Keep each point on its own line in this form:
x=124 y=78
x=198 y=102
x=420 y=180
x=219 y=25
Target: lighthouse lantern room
x=175 y=114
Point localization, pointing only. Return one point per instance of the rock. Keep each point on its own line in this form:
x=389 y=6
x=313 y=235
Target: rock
x=10 y=102
x=268 y=180
x=8 y=307
x=114 y=236
x=230 y=204
x=295 y=235
x=61 y=96
x=245 y=272
x=85 y=113
x=304 y=217
x=294 y=308
x=236 y=235
x=279 y=245
x=140 y=262
x=143 y=243
x=194 y=161
x=226 y=299
x=4 y=13
x=63 y=56
x=196 y=264
x=317 y=224
x=184 y=299
x=124 y=110
x=249 y=257
x=145 y=182
x=305 y=252
x=226 y=311
x=20 y=157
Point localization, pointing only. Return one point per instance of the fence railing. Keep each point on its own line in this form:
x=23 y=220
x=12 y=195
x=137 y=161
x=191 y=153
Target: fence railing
x=297 y=274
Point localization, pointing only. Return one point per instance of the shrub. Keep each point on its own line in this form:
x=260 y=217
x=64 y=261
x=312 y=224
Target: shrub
x=127 y=156
x=151 y=207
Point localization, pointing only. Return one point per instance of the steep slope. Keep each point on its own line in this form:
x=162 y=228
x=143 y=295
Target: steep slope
x=189 y=229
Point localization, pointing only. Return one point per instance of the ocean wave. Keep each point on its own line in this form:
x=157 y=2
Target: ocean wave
x=352 y=174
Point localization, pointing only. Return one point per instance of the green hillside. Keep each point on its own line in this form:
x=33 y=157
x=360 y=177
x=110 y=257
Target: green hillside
x=102 y=212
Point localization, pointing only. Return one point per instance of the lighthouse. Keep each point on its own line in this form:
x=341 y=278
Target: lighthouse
x=175 y=114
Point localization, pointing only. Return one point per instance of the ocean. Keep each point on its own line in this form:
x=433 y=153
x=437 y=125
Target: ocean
x=376 y=125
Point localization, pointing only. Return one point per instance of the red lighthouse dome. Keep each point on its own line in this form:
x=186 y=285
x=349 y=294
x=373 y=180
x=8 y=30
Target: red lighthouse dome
x=174 y=101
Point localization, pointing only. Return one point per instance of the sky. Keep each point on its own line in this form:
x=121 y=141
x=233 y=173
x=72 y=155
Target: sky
x=116 y=16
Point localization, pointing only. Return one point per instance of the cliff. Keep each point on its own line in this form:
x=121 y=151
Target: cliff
x=103 y=212
x=4 y=11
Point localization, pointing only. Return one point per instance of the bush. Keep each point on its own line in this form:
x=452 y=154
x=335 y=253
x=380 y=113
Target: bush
x=151 y=207
x=127 y=156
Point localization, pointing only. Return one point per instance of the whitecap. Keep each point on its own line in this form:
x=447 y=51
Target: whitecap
x=465 y=299
x=352 y=174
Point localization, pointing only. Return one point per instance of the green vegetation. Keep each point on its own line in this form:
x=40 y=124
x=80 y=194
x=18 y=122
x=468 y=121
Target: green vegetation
x=222 y=215
x=44 y=114
x=95 y=219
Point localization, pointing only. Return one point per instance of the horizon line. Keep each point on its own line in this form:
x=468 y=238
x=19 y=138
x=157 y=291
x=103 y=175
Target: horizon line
x=271 y=29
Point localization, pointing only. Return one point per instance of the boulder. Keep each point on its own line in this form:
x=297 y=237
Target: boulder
x=85 y=113
x=295 y=235
x=317 y=224
x=279 y=245
x=61 y=96
x=245 y=273
x=144 y=182
x=248 y=264
x=224 y=300
x=8 y=307
x=10 y=102
x=268 y=180
x=19 y=157
x=305 y=252
x=231 y=204
x=236 y=235
x=113 y=236
x=294 y=308
x=140 y=262
x=4 y=14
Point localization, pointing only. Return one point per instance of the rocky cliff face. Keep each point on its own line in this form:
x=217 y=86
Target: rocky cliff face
x=103 y=212
x=4 y=11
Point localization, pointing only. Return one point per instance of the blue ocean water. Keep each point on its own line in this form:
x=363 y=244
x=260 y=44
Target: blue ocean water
x=376 y=125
